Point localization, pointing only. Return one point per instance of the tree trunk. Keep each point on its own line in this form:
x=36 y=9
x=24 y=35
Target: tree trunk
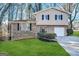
x=71 y=25
x=21 y=11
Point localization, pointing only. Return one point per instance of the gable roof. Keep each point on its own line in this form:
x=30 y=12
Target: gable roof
x=52 y=8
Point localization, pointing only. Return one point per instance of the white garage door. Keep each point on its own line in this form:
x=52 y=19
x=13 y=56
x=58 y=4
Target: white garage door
x=59 y=31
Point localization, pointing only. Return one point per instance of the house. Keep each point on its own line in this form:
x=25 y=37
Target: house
x=19 y=29
x=51 y=20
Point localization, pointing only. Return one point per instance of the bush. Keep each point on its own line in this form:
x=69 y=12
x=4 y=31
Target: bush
x=46 y=36
x=50 y=35
x=69 y=32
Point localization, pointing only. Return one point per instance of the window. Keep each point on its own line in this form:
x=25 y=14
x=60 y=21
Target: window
x=23 y=26
x=58 y=17
x=55 y=17
x=18 y=26
x=42 y=17
x=30 y=26
x=47 y=17
x=42 y=30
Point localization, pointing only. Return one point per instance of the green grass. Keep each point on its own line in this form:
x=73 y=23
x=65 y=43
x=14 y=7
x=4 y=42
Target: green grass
x=76 y=33
x=32 y=47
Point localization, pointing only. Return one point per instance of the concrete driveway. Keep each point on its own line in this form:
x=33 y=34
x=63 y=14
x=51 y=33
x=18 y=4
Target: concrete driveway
x=70 y=44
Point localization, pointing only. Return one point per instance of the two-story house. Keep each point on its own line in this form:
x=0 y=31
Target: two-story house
x=51 y=20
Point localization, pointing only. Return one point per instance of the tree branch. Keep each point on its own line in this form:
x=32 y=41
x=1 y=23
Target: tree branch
x=4 y=11
x=75 y=13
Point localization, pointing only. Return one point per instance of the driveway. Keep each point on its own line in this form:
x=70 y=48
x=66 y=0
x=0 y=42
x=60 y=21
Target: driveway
x=70 y=44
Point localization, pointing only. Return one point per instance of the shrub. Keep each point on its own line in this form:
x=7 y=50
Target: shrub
x=46 y=36
x=69 y=32
x=50 y=35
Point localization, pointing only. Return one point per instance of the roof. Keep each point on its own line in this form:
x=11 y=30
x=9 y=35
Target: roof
x=54 y=9
x=22 y=21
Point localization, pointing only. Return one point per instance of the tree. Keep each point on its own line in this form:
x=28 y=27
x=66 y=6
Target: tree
x=4 y=10
x=29 y=8
x=16 y=13
x=11 y=12
x=73 y=9
x=38 y=7
x=21 y=11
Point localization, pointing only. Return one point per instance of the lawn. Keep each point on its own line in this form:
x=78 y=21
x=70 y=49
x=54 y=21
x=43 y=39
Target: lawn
x=76 y=33
x=32 y=47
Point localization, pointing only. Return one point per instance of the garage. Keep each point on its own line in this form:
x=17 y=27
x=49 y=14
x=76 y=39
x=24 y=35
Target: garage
x=59 y=31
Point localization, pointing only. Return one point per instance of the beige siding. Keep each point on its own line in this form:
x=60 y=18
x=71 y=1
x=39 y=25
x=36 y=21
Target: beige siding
x=49 y=28
x=52 y=20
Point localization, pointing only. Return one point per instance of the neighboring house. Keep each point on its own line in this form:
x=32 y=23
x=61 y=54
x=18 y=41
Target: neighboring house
x=51 y=20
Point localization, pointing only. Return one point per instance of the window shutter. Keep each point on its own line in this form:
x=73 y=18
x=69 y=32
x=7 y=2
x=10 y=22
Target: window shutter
x=48 y=17
x=61 y=17
x=55 y=17
x=42 y=17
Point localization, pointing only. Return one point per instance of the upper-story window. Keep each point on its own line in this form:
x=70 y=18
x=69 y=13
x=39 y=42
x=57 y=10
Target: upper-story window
x=45 y=17
x=58 y=17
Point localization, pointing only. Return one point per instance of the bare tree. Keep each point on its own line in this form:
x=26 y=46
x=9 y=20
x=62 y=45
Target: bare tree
x=29 y=10
x=5 y=9
x=73 y=9
x=11 y=12
x=21 y=11
x=16 y=11
x=38 y=7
